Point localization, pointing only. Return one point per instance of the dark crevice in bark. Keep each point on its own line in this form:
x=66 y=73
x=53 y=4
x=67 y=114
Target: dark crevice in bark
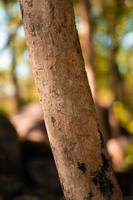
x=82 y=167
x=101 y=180
x=101 y=139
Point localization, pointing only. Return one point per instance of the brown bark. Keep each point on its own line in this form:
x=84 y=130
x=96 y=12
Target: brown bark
x=86 y=42
x=58 y=67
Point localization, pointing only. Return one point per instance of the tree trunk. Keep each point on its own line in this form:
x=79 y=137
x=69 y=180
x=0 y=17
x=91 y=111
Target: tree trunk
x=58 y=67
x=17 y=97
x=86 y=42
x=117 y=79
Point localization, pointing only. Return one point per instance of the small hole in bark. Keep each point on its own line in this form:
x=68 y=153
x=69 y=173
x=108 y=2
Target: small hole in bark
x=82 y=167
x=53 y=120
x=89 y=196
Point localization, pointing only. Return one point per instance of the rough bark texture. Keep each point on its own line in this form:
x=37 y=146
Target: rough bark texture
x=58 y=67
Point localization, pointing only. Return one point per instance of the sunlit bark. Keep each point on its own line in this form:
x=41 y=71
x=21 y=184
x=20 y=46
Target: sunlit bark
x=83 y=165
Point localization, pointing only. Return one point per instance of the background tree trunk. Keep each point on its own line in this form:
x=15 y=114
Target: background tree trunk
x=86 y=42
x=58 y=67
x=117 y=79
x=17 y=97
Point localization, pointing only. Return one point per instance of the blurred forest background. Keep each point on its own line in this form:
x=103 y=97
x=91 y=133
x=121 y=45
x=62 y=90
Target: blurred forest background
x=106 y=34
